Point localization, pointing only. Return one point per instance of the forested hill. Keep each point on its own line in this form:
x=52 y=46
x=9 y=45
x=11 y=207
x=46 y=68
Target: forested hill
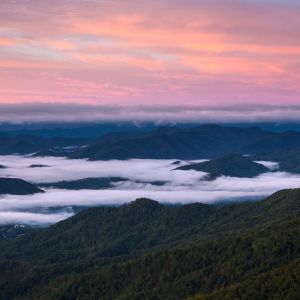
x=234 y=165
x=206 y=141
x=16 y=186
x=195 y=250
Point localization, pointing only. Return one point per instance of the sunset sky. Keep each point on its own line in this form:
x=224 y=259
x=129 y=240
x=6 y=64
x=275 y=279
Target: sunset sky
x=191 y=54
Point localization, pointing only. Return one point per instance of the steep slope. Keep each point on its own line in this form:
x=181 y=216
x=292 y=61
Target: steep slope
x=15 y=186
x=233 y=165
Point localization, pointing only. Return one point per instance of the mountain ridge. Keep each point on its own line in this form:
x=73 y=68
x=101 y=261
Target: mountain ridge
x=233 y=165
x=195 y=250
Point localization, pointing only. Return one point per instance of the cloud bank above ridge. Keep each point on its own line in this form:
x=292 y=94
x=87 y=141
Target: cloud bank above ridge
x=51 y=112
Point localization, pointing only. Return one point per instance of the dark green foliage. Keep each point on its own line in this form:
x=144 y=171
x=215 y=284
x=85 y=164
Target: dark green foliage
x=176 y=274
x=234 y=165
x=12 y=231
x=145 y=250
x=15 y=186
x=279 y=283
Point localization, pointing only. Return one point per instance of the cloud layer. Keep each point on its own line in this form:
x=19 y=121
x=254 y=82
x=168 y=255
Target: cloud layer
x=42 y=112
x=181 y=186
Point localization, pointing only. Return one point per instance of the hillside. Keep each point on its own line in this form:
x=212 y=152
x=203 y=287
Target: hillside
x=15 y=186
x=119 y=252
x=278 y=283
x=13 y=231
x=234 y=165
x=144 y=224
x=27 y=144
x=189 y=143
x=289 y=160
x=171 y=142
x=206 y=141
x=263 y=258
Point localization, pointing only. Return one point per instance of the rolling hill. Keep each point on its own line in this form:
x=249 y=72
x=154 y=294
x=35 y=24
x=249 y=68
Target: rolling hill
x=27 y=144
x=206 y=141
x=195 y=250
x=171 y=142
x=15 y=186
x=234 y=165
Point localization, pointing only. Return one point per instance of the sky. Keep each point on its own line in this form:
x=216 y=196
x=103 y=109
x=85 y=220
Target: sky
x=180 y=186
x=187 y=57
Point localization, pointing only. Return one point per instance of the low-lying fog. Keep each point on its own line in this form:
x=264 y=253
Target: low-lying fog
x=180 y=187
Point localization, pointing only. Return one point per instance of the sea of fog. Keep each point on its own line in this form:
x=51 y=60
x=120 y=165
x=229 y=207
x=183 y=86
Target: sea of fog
x=180 y=187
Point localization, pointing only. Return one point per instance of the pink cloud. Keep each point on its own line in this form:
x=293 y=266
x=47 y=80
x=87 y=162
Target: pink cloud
x=141 y=52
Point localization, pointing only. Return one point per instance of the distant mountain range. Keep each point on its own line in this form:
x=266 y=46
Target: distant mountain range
x=27 y=144
x=234 y=165
x=93 y=130
x=171 y=142
x=207 y=141
x=15 y=186
x=79 y=130
x=146 y=250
